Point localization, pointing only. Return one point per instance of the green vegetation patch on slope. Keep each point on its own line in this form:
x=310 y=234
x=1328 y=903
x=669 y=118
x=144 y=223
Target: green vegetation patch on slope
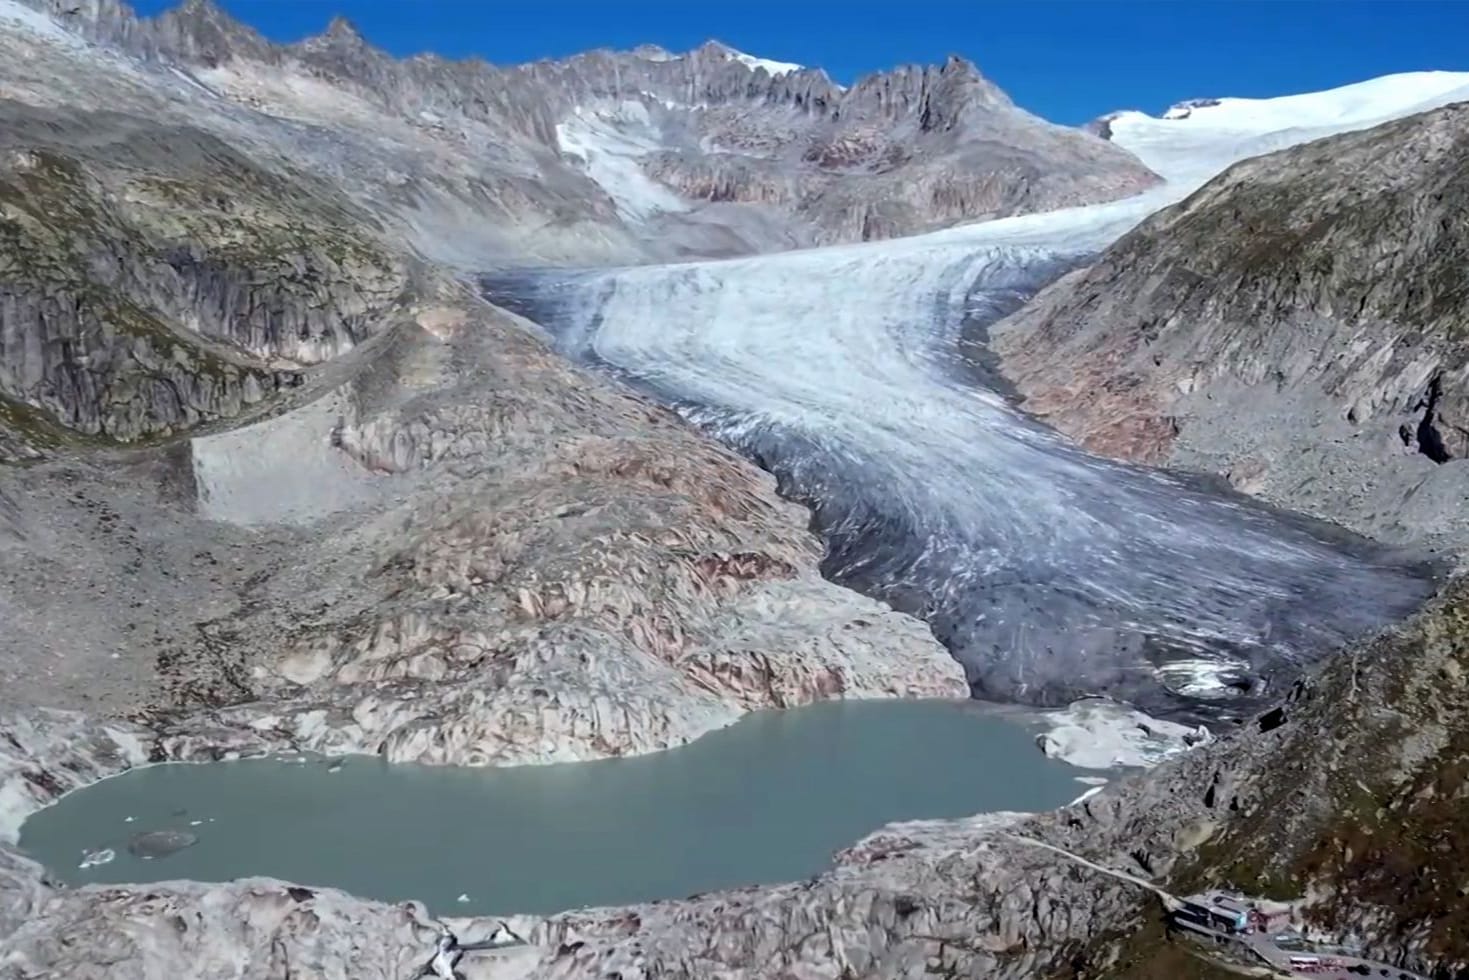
x=155 y=277
x=1364 y=806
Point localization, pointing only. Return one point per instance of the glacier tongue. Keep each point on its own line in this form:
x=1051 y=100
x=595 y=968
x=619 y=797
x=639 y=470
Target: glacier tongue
x=1048 y=573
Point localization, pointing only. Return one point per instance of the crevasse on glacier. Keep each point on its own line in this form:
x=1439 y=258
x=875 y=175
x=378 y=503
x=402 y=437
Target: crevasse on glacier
x=1049 y=573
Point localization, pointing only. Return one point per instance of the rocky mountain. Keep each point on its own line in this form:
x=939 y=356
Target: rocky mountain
x=1296 y=326
x=156 y=279
x=280 y=580
x=315 y=493
x=706 y=152
x=443 y=543
x=236 y=211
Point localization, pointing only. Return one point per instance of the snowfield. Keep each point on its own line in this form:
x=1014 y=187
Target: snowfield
x=773 y=67
x=609 y=142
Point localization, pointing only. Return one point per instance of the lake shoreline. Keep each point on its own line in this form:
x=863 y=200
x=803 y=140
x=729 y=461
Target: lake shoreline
x=768 y=799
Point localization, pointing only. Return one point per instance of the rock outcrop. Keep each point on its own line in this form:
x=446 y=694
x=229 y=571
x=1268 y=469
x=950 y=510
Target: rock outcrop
x=489 y=557
x=1296 y=326
x=154 y=278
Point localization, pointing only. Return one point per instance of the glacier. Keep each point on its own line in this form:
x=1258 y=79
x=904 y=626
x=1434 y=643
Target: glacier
x=857 y=374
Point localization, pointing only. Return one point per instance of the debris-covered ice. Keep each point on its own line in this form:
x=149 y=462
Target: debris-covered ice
x=1096 y=733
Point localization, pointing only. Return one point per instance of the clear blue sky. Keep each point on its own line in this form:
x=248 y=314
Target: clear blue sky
x=1064 y=59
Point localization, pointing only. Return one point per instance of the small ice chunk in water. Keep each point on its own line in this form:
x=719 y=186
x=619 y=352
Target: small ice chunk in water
x=127 y=819
x=334 y=767
x=152 y=844
x=195 y=823
x=91 y=859
x=462 y=899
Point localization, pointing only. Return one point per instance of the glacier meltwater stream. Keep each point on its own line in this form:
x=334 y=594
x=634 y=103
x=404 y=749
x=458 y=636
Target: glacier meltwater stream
x=1049 y=573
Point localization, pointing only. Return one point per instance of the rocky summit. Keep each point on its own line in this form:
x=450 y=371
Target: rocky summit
x=280 y=474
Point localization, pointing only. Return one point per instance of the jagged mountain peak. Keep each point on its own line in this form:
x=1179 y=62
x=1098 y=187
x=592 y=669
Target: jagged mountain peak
x=955 y=64
x=341 y=39
x=201 y=31
x=342 y=29
x=203 y=8
x=718 y=49
x=653 y=52
x=940 y=95
x=713 y=46
x=712 y=125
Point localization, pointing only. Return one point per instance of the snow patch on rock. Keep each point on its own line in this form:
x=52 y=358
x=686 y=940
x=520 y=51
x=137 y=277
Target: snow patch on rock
x=610 y=142
x=775 y=68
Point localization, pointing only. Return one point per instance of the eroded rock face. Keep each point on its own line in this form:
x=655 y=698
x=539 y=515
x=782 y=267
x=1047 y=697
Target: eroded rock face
x=1296 y=326
x=507 y=561
x=898 y=153
x=153 y=279
x=453 y=548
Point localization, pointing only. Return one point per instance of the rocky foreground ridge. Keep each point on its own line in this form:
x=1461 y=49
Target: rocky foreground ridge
x=1349 y=794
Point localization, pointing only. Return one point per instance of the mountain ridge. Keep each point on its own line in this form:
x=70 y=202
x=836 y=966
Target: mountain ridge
x=934 y=144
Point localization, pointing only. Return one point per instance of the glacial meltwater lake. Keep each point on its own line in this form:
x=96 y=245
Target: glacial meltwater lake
x=766 y=800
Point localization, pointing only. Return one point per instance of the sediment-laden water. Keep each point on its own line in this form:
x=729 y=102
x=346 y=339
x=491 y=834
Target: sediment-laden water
x=768 y=799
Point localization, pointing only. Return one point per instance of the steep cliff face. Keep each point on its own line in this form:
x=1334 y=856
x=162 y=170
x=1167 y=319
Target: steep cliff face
x=1353 y=799
x=1296 y=325
x=154 y=278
